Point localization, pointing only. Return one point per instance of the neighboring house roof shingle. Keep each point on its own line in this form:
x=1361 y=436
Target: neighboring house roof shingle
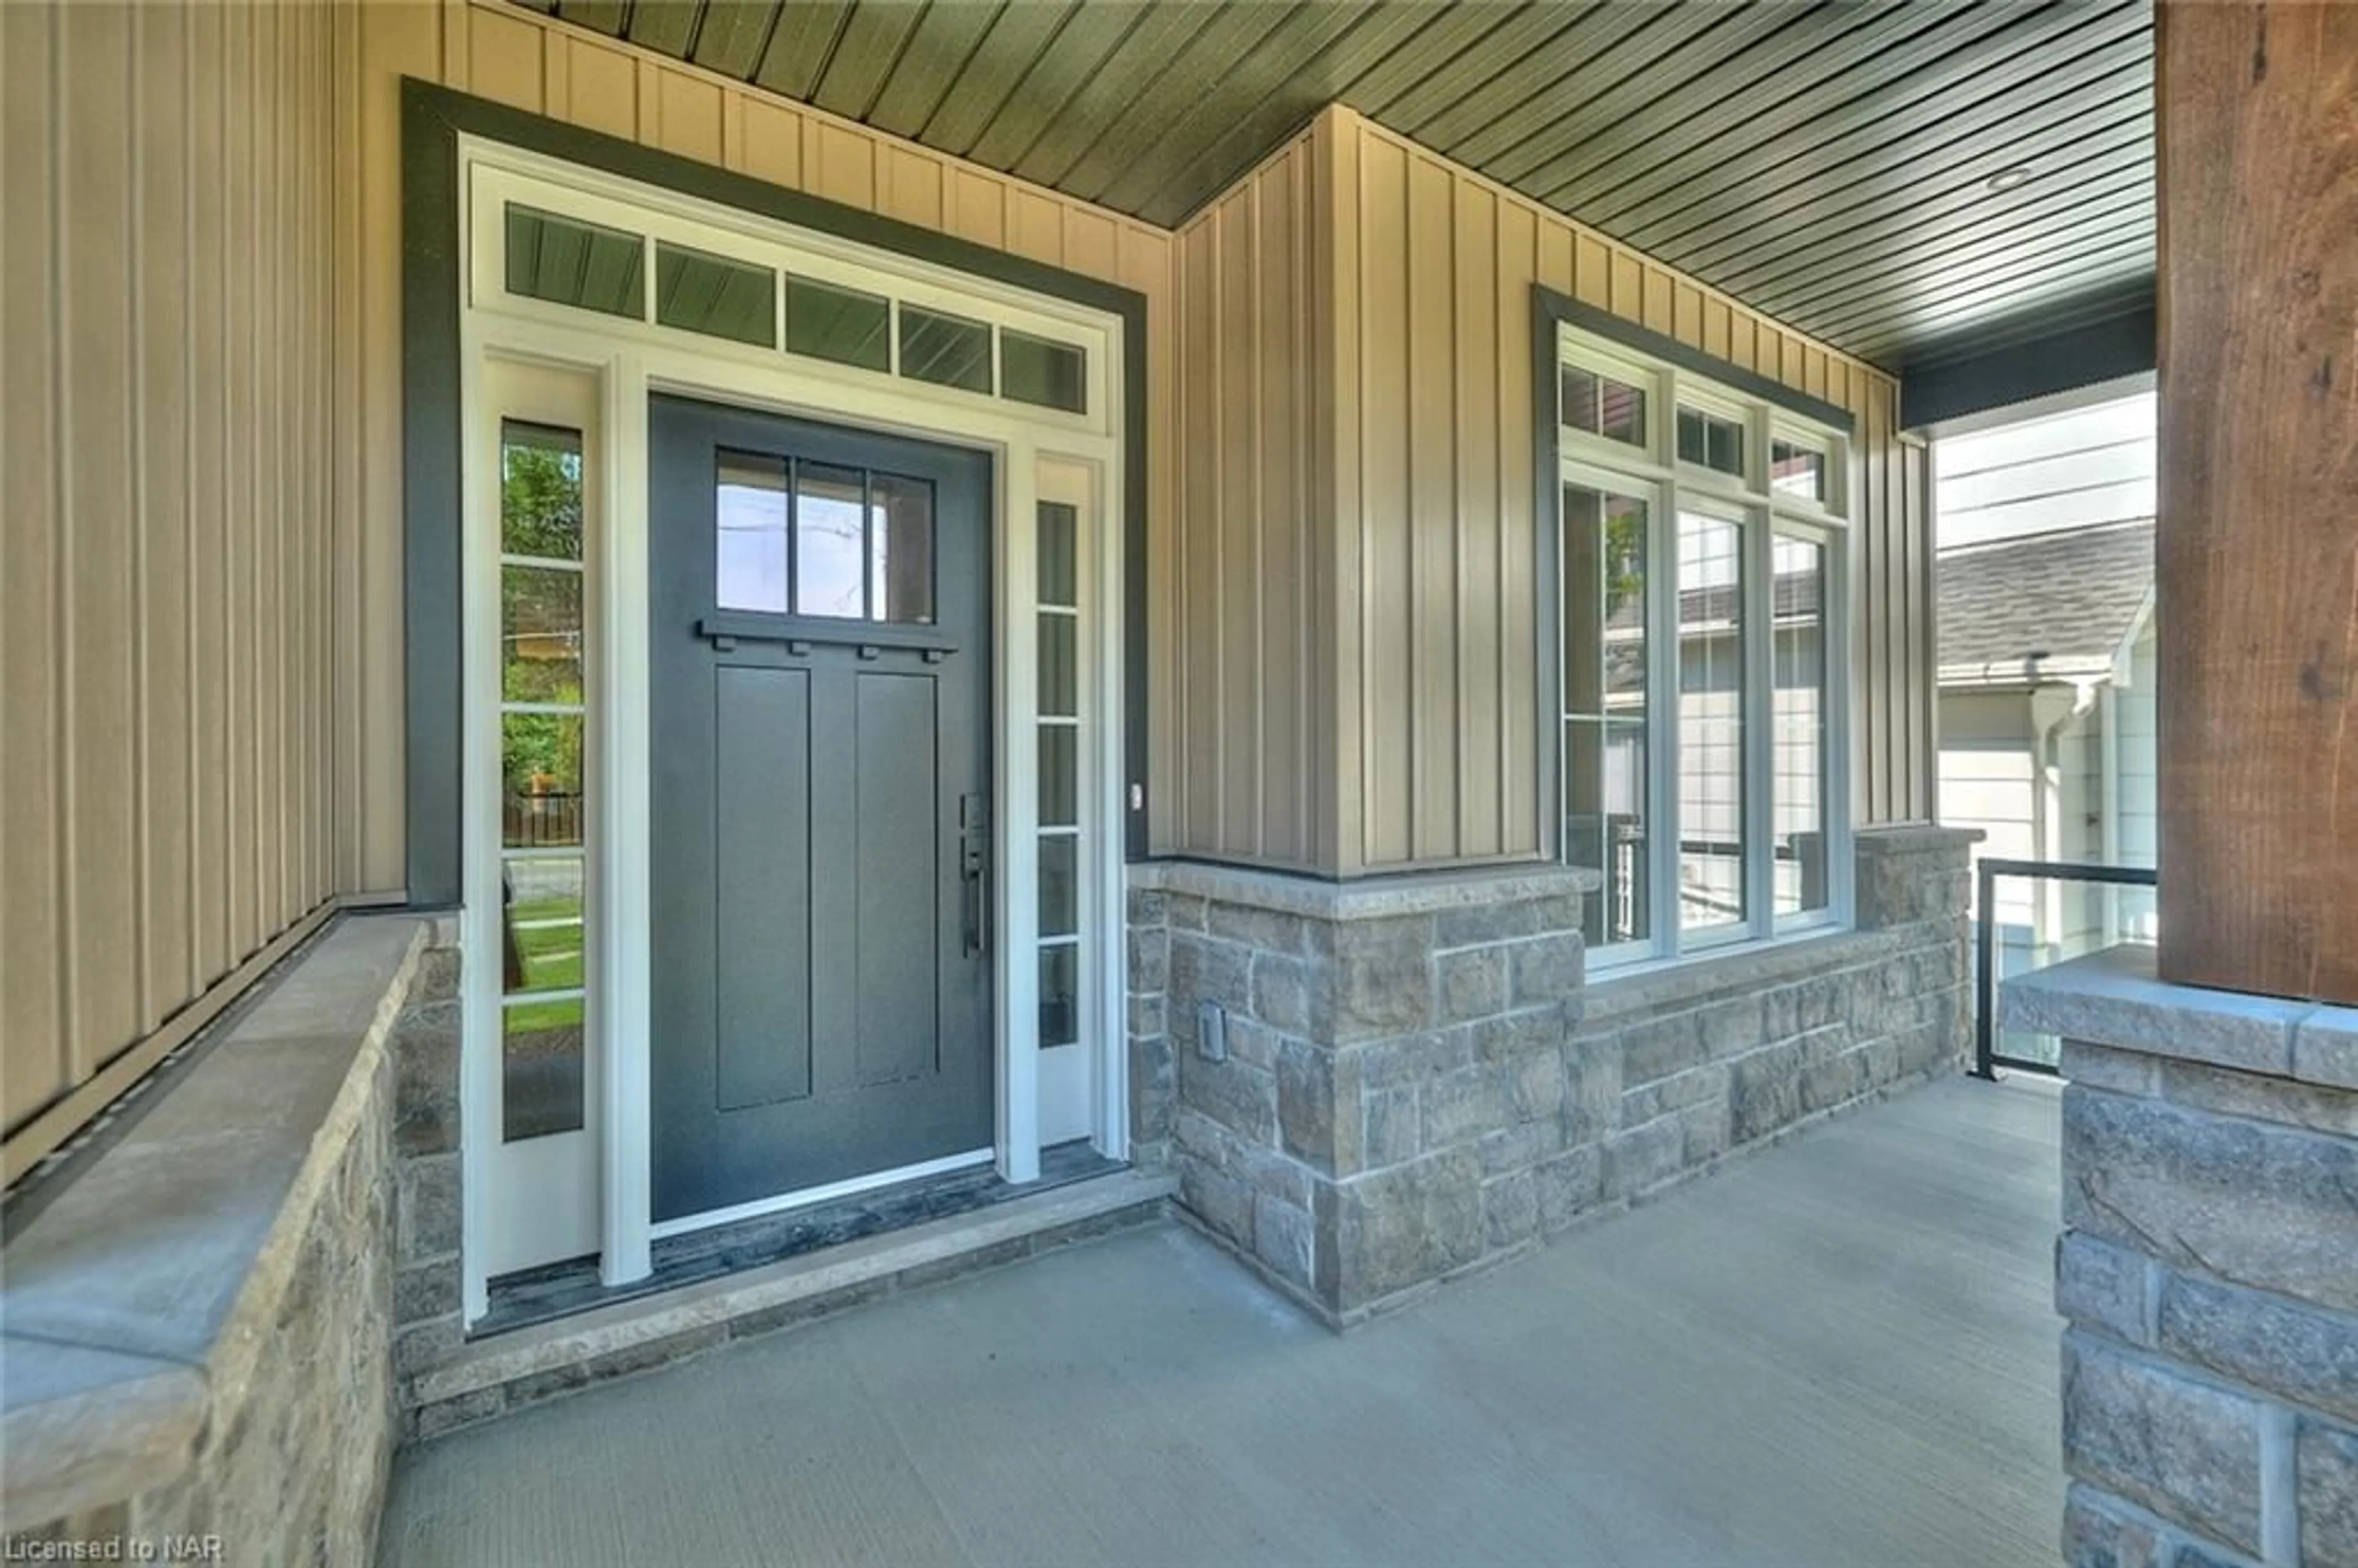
x=2067 y=597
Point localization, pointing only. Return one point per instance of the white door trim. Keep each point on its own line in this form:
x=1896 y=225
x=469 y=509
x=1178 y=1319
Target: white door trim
x=632 y=359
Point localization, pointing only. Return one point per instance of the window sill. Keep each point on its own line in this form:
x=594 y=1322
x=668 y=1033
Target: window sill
x=1656 y=982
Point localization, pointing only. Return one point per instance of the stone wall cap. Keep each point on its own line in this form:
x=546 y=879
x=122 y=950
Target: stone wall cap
x=2116 y=998
x=124 y=1315
x=1366 y=897
x=1904 y=838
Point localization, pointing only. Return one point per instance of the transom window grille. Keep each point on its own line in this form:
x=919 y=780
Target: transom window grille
x=593 y=267
x=1700 y=548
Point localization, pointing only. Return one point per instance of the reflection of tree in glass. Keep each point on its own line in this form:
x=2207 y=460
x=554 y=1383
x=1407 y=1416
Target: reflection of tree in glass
x=540 y=515
x=1625 y=595
x=542 y=753
x=540 y=501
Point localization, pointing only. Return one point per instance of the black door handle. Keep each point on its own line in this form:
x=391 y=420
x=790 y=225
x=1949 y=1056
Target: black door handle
x=974 y=871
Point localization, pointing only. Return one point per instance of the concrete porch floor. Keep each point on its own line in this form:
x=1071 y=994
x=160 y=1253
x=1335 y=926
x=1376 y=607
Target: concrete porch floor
x=1838 y=1351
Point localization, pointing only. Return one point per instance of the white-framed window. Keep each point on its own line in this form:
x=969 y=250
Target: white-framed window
x=1701 y=549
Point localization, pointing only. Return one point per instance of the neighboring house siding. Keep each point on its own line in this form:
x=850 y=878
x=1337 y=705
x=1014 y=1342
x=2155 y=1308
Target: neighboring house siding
x=2139 y=832
x=1988 y=780
x=2066 y=470
x=2053 y=558
x=501 y=52
x=167 y=625
x=1413 y=278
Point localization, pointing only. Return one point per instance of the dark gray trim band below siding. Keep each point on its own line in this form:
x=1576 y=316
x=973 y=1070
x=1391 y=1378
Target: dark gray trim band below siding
x=433 y=118
x=1553 y=307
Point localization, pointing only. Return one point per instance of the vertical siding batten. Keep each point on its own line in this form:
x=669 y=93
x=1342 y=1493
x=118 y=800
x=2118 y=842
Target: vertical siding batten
x=33 y=1067
x=1405 y=666
x=168 y=490
x=96 y=536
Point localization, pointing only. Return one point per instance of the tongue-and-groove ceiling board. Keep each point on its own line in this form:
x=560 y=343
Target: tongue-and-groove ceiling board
x=1899 y=178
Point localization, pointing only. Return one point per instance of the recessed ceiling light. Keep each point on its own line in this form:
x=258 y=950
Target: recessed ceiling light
x=2008 y=179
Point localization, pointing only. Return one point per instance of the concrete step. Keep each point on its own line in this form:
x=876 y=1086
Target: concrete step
x=527 y=1366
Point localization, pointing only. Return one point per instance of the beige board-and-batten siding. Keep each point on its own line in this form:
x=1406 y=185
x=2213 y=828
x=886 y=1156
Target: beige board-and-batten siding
x=1359 y=584
x=167 y=621
x=499 y=50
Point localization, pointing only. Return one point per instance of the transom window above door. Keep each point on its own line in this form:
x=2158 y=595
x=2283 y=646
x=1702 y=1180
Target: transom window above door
x=1700 y=741
x=620 y=271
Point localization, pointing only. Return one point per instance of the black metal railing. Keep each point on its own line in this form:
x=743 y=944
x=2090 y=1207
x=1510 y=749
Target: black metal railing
x=1988 y=1060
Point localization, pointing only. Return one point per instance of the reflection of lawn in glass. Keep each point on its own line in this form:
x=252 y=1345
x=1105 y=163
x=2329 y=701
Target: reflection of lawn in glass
x=549 y=936
x=542 y=1026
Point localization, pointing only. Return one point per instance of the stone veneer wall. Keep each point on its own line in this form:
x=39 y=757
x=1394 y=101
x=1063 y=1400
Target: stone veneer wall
x=428 y=1328
x=2208 y=1269
x=1377 y=1038
x=241 y=1238
x=1419 y=1081
x=1711 y=1056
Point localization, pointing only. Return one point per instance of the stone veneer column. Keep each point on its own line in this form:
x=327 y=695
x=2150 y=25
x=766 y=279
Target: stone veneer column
x=2208 y=1267
x=1396 y=1102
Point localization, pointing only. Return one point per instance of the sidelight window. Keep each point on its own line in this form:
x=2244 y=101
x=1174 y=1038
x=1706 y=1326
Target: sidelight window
x=1700 y=614
x=1059 y=715
x=544 y=742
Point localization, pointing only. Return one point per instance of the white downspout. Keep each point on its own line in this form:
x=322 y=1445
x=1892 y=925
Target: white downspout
x=2108 y=740
x=2047 y=799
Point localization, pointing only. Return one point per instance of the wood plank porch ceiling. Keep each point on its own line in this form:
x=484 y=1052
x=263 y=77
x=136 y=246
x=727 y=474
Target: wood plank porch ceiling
x=1827 y=163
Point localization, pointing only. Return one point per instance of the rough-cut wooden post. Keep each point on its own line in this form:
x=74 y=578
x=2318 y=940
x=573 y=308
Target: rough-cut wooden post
x=2259 y=549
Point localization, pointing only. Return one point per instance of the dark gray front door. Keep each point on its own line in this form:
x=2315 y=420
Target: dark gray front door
x=820 y=662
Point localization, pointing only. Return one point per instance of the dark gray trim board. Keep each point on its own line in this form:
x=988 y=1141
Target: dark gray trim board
x=1553 y=307
x=433 y=118
x=2036 y=364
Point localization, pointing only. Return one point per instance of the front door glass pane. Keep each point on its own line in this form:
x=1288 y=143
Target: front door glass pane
x=901 y=537
x=830 y=541
x=749 y=551
x=1711 y=722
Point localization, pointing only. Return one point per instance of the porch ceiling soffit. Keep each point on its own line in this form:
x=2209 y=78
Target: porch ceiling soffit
x=1884 y=175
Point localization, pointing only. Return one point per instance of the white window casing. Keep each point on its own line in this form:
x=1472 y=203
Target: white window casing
x=1718 y=685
